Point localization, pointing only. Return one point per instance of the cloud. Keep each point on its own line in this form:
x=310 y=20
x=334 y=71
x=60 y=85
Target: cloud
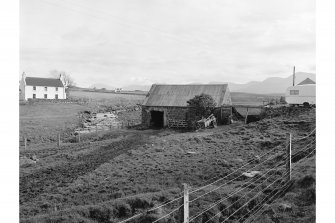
x=167 y=41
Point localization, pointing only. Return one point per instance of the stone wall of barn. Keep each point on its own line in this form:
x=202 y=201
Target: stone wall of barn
x=175 y=117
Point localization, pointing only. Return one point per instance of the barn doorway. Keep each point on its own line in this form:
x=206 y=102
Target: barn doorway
x=157 y=119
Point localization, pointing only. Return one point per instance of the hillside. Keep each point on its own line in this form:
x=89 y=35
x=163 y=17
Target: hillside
x=272 y=85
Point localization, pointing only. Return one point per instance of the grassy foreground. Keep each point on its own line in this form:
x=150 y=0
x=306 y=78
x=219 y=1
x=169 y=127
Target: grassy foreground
x=91 y=181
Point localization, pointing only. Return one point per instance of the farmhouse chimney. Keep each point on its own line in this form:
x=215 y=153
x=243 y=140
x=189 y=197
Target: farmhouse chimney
x=293 y=75
x=24 y=77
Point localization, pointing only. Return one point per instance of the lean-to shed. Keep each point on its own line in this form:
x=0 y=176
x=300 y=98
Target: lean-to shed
x=166 y=105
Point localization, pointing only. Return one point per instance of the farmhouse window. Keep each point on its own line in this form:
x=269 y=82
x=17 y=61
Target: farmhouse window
x=56 y=96
x=45 y=88
x=45 y=96
x=56 y=88
x=294 y=92
x=34 y=88
x=34 y=95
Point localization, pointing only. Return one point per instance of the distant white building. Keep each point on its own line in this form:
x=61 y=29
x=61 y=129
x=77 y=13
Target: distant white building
x=302 y=94
x=41 y=88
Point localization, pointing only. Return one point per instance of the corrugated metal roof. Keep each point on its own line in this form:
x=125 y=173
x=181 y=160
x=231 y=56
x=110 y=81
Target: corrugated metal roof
x=47 y=82
x=307 y=81
x=178 y=95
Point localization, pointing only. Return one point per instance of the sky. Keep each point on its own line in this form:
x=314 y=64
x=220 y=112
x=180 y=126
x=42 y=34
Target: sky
x=140 y=42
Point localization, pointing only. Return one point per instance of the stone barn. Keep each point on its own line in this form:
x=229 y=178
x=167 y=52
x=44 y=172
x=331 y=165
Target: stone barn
x=166 y=105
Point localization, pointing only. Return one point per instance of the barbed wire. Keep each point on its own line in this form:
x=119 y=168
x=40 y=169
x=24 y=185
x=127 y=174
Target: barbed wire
x=253 y=198
x=248 y=163
x=297 y=139
x=201 y=188
x=235 y=192
x=231 y=179
x=261 y=207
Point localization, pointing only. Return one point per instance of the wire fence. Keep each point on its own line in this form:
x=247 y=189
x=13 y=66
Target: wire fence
x=62 y=138
x=260 y=183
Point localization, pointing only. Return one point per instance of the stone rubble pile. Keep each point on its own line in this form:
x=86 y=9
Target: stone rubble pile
x=98 y=122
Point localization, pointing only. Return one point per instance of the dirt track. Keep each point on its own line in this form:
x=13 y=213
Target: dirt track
x=48 y=180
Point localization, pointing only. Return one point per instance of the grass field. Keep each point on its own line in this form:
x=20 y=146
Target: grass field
x=108 y=98
x=237 y=97
x=41 y=122
x=89 y=181
x=240 y=98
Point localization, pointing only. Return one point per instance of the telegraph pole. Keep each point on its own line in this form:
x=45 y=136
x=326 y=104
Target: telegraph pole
x=288 y=157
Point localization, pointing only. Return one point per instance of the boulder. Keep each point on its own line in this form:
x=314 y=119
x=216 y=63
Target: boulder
x=251 y=173
x=285 y=207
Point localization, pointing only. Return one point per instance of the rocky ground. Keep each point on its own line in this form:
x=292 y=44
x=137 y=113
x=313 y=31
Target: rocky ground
x=88 y=181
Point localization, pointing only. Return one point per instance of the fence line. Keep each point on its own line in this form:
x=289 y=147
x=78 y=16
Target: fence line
x=264 y=199
x=234 y=178
x=230 y=195
x=207 y=186
x=287 y=172
x=58 y=139
x=262 y=206
x=297 y=139
x=253 y=198
x=174 y=210
x=248 y=163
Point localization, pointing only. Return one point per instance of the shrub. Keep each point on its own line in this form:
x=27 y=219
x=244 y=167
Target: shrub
x=139 y=202
x=198 y=107
x=100 y=214
x=282 y=100
x=122 y=209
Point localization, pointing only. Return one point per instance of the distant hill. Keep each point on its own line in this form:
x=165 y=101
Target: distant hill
x=272 y=85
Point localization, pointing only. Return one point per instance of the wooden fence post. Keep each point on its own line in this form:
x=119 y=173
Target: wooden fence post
x=180 y=218
x=78 y=136
x=96 y=129
x=288 y=157
x=186 y=203
x=58 y=140
x=246 y=116
x=25 y=143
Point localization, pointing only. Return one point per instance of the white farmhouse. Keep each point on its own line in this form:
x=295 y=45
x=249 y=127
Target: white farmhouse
x=301 y=94
x=41 y=88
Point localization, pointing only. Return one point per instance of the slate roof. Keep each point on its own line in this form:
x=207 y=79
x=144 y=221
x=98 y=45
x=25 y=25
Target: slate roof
x=47 y=82
x=306 y=81
x=178 y=95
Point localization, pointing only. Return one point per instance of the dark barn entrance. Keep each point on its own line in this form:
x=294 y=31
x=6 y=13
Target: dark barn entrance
x=157 y=119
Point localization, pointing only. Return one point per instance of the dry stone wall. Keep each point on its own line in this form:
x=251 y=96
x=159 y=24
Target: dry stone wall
x=176 y=116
